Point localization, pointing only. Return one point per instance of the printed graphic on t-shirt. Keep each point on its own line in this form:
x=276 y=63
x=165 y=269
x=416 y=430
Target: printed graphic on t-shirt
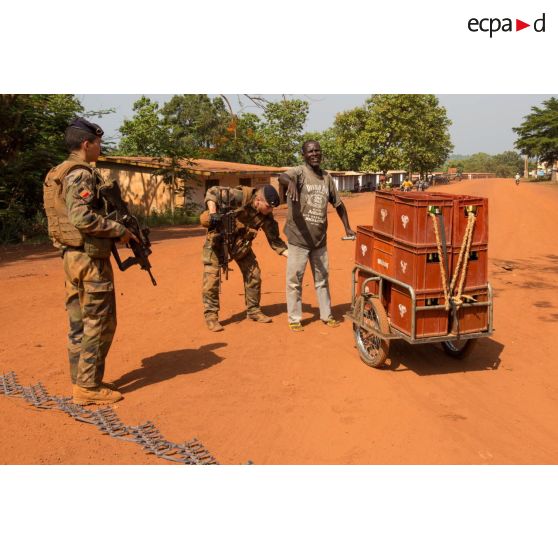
x=315 y=210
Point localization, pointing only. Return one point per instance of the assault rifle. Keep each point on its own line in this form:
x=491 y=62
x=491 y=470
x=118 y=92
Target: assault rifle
x=226 y=228
x=118 y=211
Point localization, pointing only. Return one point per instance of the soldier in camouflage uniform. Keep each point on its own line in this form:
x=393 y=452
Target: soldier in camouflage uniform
x=78 y=227
x=254 y=211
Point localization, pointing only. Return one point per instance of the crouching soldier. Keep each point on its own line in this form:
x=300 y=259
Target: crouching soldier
x=77 y=226
x=253 y=210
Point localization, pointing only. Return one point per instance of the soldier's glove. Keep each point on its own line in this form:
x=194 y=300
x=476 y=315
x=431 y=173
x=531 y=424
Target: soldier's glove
x=215 y=219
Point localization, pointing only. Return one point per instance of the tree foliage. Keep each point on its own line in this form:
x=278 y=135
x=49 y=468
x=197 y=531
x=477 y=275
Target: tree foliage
x=538 y=134
x=31 y=142
x=389 y=132
x=281 y=132
x=153 y=133
x=504 y=165
x=242 y=141
x=196 y=123
x=196 y=126
x=145 y=133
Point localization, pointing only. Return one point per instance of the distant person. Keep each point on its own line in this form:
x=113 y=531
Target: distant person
x=407 y=185
x=79 y=227
x=309 y=189
x=517 y=179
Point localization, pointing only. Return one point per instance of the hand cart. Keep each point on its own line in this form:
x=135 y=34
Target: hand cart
x=373 y=328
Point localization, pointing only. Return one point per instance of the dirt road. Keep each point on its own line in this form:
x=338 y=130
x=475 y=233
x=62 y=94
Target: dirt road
x=261 y=392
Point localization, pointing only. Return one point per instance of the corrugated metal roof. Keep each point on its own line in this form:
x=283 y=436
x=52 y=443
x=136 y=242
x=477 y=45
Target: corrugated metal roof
x=198 y=166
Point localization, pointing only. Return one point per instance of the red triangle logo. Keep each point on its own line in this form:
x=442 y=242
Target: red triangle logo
x=519 y=25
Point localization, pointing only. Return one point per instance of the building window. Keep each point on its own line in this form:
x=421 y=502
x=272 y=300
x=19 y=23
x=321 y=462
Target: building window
x=246 y=182
x=210 y=183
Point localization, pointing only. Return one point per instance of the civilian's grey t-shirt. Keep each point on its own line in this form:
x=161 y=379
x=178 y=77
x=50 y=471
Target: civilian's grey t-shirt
x=306 y=224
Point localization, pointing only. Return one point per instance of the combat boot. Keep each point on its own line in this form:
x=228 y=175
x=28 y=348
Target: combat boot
x=95 y=396
x=213 y=324
x=260 y=317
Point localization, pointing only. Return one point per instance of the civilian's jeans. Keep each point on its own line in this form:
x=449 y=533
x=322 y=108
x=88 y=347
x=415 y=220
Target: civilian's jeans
x=296 y=265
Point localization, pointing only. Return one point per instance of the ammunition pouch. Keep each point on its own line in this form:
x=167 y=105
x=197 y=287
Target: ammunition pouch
x=243 y=242
x=205 y=220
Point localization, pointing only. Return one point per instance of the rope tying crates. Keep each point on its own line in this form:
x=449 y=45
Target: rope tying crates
x=461 y=266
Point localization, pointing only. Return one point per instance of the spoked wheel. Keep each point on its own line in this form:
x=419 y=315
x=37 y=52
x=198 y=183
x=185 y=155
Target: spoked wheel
x=373 y=350
x=459 y=349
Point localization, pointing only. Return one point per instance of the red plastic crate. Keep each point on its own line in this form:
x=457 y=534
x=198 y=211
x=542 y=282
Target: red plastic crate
x=382 y=258
x=413 y=224
x=364 y=245
x=460 y=218
x=384 y=211
x=473 y=319
x=371 y=287
x=461 y=206
x=477 y=267
x=429 y=323
x=419 y=267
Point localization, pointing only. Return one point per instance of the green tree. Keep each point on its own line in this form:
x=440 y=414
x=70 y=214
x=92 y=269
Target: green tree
x=31 y=142
x=391 y=131
x=149 y=134
x=427 y=141
x=196 y=123
x=242 y=141
x=145 y=134
x=504 y=165
x=281 y=132
x=507 y=164
x=477 y=162
x=538 y=135
x=345 y=145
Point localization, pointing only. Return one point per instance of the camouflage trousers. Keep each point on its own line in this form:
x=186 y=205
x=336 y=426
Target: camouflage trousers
x=91 y=307
x=250 y=273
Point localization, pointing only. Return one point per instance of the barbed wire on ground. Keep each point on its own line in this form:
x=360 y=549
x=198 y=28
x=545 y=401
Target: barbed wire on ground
x=191 y=452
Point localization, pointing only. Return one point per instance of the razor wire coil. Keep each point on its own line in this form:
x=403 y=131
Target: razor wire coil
x=191 y=452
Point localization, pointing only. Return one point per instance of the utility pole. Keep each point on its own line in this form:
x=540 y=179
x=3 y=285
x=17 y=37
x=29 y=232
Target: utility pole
x=526 y=168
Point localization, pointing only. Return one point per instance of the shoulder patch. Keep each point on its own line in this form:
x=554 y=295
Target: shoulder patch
x=85 y=194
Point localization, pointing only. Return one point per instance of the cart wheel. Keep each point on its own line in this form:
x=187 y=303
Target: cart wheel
x=373 y=350
x=459 y=349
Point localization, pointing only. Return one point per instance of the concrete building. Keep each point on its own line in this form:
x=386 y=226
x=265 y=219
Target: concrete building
x=144 y=188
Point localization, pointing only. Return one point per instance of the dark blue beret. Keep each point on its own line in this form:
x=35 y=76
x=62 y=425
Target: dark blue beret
x=83 y=124
x=271 y=196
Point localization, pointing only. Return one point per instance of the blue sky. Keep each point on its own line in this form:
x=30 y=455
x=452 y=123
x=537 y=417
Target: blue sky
x=480 y=122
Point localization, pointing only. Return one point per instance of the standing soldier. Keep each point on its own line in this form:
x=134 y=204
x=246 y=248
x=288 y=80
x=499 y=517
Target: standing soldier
x=253 y=210
x=77 y=227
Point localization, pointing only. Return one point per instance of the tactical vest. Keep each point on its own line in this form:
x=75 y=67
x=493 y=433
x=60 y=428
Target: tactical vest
x=59 y=226
x=247 y=193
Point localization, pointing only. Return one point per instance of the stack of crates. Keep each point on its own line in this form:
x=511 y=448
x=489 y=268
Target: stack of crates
x=402 y=245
